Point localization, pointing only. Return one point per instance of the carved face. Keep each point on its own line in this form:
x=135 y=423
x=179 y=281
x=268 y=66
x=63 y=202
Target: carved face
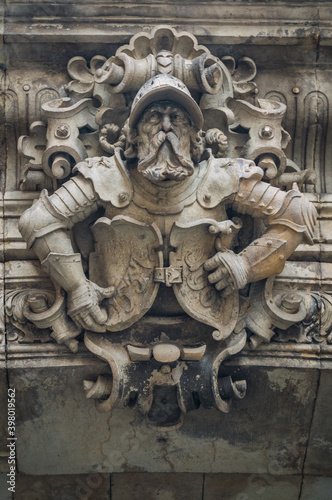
x=165 y=133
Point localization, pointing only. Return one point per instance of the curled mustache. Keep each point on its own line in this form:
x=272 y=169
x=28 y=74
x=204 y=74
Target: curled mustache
x=155 y=149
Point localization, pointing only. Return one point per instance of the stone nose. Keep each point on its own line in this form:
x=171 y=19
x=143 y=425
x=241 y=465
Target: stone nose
x=166 y=124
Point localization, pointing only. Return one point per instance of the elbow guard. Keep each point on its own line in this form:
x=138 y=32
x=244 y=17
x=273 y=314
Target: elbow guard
x=71 y=203
x=40 y=219
x=291 y=208
x=297 y=213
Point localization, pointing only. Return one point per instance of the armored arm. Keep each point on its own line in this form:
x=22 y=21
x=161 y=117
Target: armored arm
x=45 y=226
x=290 y=220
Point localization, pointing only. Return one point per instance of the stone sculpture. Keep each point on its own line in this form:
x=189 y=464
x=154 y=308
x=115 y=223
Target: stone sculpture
x=153 y=244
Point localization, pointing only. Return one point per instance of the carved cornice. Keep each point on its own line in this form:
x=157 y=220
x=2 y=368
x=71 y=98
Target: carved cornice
x=291 y=355
x=46 y=355
x=288 y=355
x=224 y=22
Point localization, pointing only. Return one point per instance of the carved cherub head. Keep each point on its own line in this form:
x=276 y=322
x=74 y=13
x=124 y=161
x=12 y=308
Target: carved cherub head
x=164 y=130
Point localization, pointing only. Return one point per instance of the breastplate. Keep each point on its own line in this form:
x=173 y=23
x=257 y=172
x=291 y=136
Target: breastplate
x=167 y=203
x=140 y=252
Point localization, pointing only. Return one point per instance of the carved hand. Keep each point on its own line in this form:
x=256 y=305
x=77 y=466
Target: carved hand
x=83 y=306
x=229 y=270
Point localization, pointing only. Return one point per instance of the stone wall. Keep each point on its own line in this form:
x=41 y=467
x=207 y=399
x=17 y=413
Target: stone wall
x=170 y=486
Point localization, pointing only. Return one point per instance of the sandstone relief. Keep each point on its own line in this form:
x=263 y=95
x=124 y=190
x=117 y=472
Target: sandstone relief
x=172 y=207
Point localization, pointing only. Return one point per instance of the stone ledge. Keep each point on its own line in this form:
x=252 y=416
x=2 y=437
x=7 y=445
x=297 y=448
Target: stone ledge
x=286 y=355
x=223 y=22
x=48 y=355
x=274 y=354
x=188 y=486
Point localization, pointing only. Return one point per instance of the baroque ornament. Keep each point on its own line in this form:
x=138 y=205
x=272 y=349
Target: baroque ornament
x=161 y=242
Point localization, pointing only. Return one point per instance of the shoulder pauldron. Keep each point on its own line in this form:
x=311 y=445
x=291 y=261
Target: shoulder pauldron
x=222 y=179
x=109 y=177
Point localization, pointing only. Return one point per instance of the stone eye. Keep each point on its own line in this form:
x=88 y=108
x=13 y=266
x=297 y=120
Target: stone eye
x=175 y=117
x=154 y=117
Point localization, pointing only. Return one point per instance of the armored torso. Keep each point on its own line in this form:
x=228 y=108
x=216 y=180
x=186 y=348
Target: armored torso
x=155 y=245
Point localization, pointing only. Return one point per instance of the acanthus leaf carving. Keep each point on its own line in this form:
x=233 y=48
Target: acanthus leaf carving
x=83 y=82
x=284 y=315
x=316 y=327
x=39 y=315
x=19 y=328
x=242 y=72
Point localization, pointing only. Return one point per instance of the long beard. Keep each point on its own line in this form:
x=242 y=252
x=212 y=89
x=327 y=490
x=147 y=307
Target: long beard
x=164 y=158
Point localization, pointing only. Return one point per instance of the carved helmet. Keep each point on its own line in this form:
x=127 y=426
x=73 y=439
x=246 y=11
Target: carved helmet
x=165 y=88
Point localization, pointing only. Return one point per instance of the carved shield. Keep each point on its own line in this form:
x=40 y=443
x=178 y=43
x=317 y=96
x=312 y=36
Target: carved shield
x=126 y=254
x=194 y=245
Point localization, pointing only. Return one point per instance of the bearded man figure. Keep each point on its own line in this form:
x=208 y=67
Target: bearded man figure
x=164 y=241
x=164 y=143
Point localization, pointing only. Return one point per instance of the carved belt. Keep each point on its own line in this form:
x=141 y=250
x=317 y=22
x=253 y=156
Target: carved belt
x=168 y=275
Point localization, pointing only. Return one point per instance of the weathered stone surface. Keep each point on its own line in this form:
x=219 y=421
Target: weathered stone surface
x=319 y=456
x=253 y=441
x=3 y=421
x=13 y=204
x=3 y=381
x=169 y=486
x=269 y=433
x=251 y=487
x=318 y=488
x=256 y=441
x=4 y=493
x=303 y=22
x=68 y=487
x=161 y=233
x=3 y=153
